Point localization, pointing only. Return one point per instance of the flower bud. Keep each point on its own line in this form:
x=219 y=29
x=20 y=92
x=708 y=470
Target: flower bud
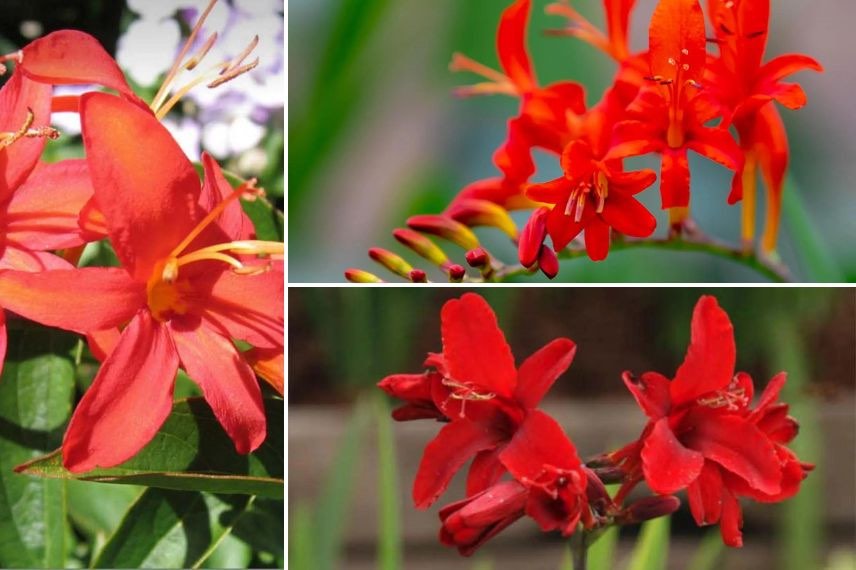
x=456 y=273
x=478 y=258
x=473 y=212
x=649 y=508
x=418 y=276
x=532 y=237
x=423 y=246
x=446 y=228
x=548 y=262
x=391 y=261
x=360 y=276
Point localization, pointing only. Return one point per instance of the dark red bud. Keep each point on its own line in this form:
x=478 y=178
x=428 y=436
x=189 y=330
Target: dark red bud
x=456 y=273
x=477 y=257
x=649 y=508
x=548 y=262
x=418 y=276
x=532 y=237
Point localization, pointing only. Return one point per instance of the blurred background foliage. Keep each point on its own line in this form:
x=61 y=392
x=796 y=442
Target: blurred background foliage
x=342 y=341
x=376 y=135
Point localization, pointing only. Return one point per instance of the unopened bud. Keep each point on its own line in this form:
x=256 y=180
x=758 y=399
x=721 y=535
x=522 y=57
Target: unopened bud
x=548 y=262
x=423 y=246
x=532 y=237
x=360 y=276
x=649 y=508
x=456 y=273
x=477 y=258
x=473 y=212
x=446 y=228
x=418 y=276
x=391 y=261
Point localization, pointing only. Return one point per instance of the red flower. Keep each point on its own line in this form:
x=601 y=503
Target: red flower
x=547 y=116
x=594 y=197
x=39 y=203
x=549 y=485
x=478 y=389
x=545 y=461
x=671 y=113
x=174 y=295
x=744 y=87
x=703 y=437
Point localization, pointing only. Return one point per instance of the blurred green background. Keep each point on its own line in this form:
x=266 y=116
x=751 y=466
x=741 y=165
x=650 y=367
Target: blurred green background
x=376 y=135
x=351 y=468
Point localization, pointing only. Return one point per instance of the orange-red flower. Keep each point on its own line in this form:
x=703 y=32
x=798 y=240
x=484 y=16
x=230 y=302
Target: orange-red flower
x=189 y=283
x=744 y=87
x=670 y=113
x=594 y=197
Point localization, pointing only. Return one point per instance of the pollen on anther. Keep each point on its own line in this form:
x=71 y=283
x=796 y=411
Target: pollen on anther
x=685 y=51
x=672 y=61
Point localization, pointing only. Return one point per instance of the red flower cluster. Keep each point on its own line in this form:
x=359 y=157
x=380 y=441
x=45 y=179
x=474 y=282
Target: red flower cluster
x=702 y=435
x=662 y=101
x=191 y=278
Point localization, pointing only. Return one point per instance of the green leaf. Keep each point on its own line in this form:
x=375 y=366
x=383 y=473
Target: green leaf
x=602 y=553
x=98 y=509
x=300 y=539
x=652 y=546
x=172 y=529
x=191 y=452
x=813 y=252
x=36 y=391
x=231 y=553
x=389 y=540
x=709 y=553
x=262 y=528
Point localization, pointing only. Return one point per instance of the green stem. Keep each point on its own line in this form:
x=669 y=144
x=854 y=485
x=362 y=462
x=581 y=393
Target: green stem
x=579 y=549
x=769 y=268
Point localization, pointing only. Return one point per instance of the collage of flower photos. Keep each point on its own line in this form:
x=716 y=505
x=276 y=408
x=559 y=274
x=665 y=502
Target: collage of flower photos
x=405 y=285
x=568 y=285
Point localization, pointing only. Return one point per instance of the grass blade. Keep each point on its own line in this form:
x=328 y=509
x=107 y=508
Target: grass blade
x=652 y=547
x=389 y=542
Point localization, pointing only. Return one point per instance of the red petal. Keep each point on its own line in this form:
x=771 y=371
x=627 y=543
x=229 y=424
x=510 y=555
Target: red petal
x=539 y=371
x=102 y=343
x=474 y=347
x=628 y=216
x=82 y=300
x=731 y=521
x=770 y=394
x=770 y=145
x=247 y=307
x=780 y=67
x=577 y=160
x=597 y=239
x=552 y=192
x=72 y=57
x=790 y=95
x=17 y=97
x=485 y=470
x=539 y=441
x=19 y=258
x=717 y=145
x=675 y=179
x=511 y=45
x=43 y=213
x=709 y=363
x=705 y=495
x=677 y=41
x=632 y=138
x=128 y=401
x=737 y=445
x=142 y=180
x=630 y=182
x=651 y=391
x=562 y=229
x=227 y=382
x=668 y=465
x=215 y=188
x=444 y=455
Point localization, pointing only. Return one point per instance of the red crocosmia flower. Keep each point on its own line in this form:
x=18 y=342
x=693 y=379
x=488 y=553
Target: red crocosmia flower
x=39 y=203
x=744 y=87
x=543 y=459
x=702 y=436
x=671 y=113
x=190 y=281
x=479 y=390
x=469 y=523
x=594 y=197
x=548 y=116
